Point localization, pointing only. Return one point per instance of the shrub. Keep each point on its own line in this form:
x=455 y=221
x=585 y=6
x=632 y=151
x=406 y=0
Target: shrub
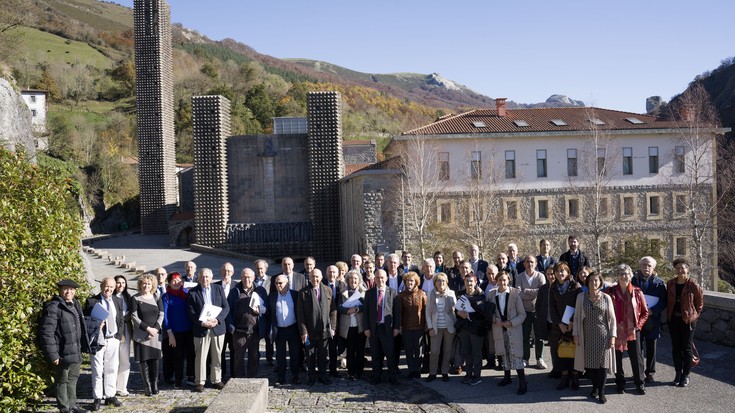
x=39 y=245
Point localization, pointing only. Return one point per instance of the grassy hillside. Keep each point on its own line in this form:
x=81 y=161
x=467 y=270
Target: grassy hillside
x=46 y=48
x=99 y=15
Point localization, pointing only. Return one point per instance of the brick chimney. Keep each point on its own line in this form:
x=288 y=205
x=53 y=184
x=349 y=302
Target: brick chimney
x=500 y=106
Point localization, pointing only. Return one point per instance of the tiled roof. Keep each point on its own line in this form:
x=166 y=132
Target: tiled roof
x=538 y=120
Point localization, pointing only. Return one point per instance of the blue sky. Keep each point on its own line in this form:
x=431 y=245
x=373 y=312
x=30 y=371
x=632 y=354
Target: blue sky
x=611 y=54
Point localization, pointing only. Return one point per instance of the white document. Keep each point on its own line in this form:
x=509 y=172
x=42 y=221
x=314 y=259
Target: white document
x=568 y=313
x=99 y=312
x=651 y=300
x=189 y=285
x=353 y=301
x=257 y=303
x=209 y=312
x=463 y=304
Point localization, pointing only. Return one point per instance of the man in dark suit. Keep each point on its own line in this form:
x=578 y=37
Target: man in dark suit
x=209 y=335
x=282 y=317
x=336 y=343
x=264 y=280
x=105 y=361
x=381 y=326
x=316 y=314
x=246 y=322
x=406 y=264
x=479 y=266
x=575 y=258
x=544 y=260
x=296 y=281
x=227 y=271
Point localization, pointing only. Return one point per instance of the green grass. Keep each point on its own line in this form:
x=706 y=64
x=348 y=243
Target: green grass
x=102 y=16
x=42 y=47
x=92 y=112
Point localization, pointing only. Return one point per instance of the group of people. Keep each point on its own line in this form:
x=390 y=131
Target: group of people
x=445 y=319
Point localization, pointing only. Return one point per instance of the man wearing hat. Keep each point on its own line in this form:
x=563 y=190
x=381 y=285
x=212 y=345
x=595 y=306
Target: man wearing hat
x=105 y=361
x=63 y=338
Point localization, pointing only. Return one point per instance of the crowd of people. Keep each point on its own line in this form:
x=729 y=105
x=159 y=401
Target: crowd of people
x=446 y=319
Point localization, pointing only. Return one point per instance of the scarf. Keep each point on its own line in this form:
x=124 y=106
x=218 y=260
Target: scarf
x=180 y=293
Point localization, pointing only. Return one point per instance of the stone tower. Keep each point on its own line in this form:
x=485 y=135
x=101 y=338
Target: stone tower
x=326 y=168
x=211 y=119
x=155 y=108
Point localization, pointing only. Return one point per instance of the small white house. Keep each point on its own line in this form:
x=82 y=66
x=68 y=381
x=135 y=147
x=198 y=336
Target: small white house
x=36 y=101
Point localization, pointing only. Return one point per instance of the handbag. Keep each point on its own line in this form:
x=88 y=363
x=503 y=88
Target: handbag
x=695 y=356
x=566 y=349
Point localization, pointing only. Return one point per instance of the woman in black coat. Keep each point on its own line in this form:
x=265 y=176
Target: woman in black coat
x=563 y=294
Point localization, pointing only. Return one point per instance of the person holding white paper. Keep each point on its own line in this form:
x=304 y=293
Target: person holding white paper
x=563 y=293
x=209 y=335
x=247 y=323
x=351 y=323
x=652 y=286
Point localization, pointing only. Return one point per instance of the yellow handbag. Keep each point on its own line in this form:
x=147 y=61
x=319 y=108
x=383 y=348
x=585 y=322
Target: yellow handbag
x=566 y=349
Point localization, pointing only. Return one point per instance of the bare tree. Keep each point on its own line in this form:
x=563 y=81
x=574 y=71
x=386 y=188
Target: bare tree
x=421 y=184
x=13 y=14
x=695 y=169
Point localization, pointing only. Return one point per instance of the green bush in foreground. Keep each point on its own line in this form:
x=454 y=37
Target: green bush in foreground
x=39 y=245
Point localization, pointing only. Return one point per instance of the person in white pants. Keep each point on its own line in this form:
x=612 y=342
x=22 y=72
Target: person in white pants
x=123 y=368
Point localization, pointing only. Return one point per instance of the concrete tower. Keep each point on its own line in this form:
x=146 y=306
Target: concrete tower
x=326 y=168
x=211 y=119
x=155 y=107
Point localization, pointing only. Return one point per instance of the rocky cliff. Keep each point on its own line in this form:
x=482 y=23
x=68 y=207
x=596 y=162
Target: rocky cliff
x=15 y=121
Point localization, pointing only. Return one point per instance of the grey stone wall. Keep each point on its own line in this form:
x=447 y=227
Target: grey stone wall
x=155 y=114
x=364 y=153
x=717 y=322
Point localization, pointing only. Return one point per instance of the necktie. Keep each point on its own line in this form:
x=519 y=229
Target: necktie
x=316 y=294
x=380 y=306
x=110 y=323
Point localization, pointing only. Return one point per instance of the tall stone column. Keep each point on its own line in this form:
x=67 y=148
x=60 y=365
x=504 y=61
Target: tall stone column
x=326 y=168
x=155 y=114
x=211 y=120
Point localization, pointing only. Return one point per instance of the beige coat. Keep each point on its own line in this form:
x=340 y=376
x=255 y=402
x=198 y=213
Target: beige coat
x=579 y=316
x=344 y=319
x=516 y=315
x=431 y=312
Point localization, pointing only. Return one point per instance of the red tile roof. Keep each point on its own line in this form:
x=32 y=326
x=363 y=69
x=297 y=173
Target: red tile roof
x=538 y=120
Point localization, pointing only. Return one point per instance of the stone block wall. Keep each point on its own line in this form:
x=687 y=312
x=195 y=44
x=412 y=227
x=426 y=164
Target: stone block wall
x=717 y=322
x=211 y=121
x=155 y=114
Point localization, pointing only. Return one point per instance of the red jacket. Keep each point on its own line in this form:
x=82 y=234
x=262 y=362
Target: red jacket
x=692 y=300
x=640 y=309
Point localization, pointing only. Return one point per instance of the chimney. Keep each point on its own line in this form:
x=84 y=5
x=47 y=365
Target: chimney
x=500 y=106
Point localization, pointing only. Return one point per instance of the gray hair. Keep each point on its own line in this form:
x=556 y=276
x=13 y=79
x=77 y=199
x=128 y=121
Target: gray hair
x=648 y=259
x=623 y=269
x=430 y=261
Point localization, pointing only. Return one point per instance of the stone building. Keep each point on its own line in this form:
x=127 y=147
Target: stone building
x=155 y=114
x=522 y=175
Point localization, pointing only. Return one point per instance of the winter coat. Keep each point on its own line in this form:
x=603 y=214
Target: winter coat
x=516 y=314
x=63 y=334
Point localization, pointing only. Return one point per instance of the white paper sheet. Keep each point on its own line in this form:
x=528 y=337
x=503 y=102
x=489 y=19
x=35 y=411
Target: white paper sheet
x=257 y=303
x=568 y=313
x=463 y=304
x=189 y=285
x=651 y=300
x=353 y=301
x=209 y=312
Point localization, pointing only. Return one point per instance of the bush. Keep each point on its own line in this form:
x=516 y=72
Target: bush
x=39 y=245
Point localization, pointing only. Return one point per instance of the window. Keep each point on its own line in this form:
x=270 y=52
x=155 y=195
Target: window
x=33 y=113
x=628 y=208
x=656 y=244
x=510 y=164
x=445 y=212
x=543 y=210
x=571 y=162
x=654 y=206
x=511 y=210
x=573 y=208
x=541 y=163
x=627 y=161
x=601 y=152
x=604 y=208
x=476 y=166
x=680 y=205
x=680 y=246
x=653 y=159
x=33 y=99
x=679 y=160
x=444 y=166
x=604 y=249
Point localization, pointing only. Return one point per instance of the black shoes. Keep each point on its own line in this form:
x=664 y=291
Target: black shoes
x=430 y=378
x=506 y=381
x=96 y=405
x=677 y=379
x=445 y=378
x=594 y=393
x=684 y=382
x=522 y=387
x=575 y=382
x=640 y=390
x=113 y=401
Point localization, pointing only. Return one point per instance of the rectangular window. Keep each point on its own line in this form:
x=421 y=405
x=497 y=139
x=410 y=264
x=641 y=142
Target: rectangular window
x=444 y=166
x=445 y=212
x=601 y=152
x=628 y=206
x=627 y=161
x=510 y=164
x=680 y=247
x=571 y=162
x=541 y=163
x=679 y=160
x=653 y=159
x=654 y=205
x=33 y=99
x=33 y=113
x=680 y=204
x=543 y=209
x=511 y=210
x=604 y=249
x=604 y=209
x=573 y=208
x=476 y=166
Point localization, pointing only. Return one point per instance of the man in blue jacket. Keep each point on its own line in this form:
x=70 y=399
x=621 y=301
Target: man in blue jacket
x=209 y=334
x=651 y=286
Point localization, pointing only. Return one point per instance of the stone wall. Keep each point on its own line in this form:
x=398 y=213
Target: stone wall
x=717 y=322
x=15 y=122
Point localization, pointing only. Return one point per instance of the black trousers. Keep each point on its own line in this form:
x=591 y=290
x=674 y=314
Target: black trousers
x=381 y=345
x=650 y=348
x=228 y=344
x=336 y=347
x=681 y=344
x=174 y=357
x=636 y=362
x=288 y=336
x=245 y=344
x=316 y=356
x=355 y=352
